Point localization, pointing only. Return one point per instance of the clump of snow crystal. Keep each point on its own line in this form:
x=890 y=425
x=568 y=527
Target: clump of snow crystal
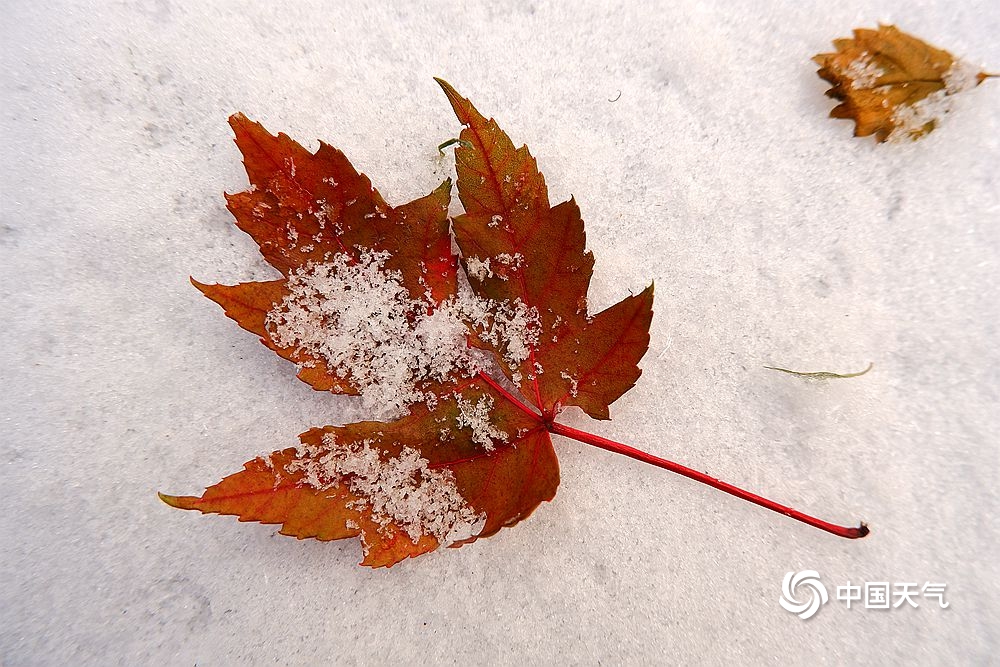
x=511 y=327
x=402 y=490
x=574 y=385
x=476 y=417
x=911 y=119
x=510 y=262
x=360 y=320
x=478 y=268
x=863 y=71
x=962 y=75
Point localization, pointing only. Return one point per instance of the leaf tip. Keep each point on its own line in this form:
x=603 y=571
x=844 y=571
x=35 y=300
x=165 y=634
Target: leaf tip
x=201 y=287
x=449 y=90
x=463 y=108
x=444 y=84
x=239 y=124
x=180 y=502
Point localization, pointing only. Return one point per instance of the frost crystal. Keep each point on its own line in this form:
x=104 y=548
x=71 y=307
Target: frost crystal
x=403 y=490
x=477 y=419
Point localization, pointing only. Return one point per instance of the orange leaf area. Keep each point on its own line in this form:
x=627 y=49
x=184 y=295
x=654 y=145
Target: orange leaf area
x=516 y=248
x=404 y=487
x=892 y=84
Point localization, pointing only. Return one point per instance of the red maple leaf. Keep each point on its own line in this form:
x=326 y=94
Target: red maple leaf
x=371 y=303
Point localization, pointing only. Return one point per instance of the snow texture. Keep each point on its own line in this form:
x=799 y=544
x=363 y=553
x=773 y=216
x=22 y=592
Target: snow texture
x=694 y=135
x=912 y=119
x=864 y=71
x=359 y=318
x=401 y=491
x=477 y=418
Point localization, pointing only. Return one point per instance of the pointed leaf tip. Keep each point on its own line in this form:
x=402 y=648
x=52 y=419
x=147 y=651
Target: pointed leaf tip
x=447 y=87
x=204 y=288
x=180 y=502
x=463 y=108
x=450 y=91
x=238 y=121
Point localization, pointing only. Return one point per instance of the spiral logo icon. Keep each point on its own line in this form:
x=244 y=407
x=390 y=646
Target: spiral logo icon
x=813 y=587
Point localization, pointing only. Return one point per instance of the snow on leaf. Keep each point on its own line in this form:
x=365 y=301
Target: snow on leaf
x=892 y=84
x=536 y=253
x=360 y=322
x=297 y=196
x=478 y=417
x=371 y=303
x=396 y=485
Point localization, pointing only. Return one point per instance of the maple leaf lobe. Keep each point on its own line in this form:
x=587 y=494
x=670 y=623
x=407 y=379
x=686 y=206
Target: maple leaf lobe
x=300 y=489
x=248 y=304
x=536 y=256
x=302 y=209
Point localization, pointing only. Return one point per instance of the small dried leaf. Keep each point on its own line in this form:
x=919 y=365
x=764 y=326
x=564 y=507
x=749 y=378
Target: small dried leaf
x=892 y=84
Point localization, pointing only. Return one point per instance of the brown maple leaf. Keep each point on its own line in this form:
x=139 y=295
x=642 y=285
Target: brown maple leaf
x=892 y=84
x=371 y=303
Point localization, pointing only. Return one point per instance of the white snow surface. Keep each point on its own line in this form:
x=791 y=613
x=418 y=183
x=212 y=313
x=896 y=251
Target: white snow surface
x=773 y=236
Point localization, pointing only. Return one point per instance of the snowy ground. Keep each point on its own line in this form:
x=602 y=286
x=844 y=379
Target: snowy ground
x=773 y=236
